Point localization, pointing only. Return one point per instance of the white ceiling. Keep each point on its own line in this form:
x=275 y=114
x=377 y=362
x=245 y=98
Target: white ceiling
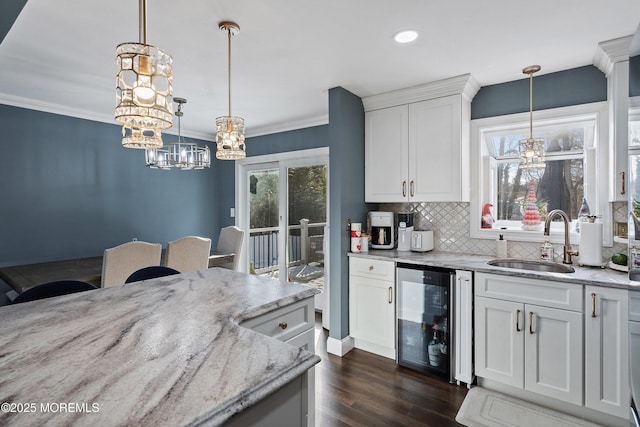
x=59 y=55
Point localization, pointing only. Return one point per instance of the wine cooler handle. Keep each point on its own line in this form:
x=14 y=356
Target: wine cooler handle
x=390 y=295
x=404 y=188
x=518 y=321
x=593 y=305
x=531 y=322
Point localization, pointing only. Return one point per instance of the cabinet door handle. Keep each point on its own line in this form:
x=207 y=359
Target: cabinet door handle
x=411 y=188
x=593 y=305
x=283 y=325
x=531 y=322
x=390 y=295
x=371 y=268
x=404 y=188
x=622 y=191
x=518 y=321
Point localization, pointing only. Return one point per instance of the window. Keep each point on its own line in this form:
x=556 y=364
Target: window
x=573 y=163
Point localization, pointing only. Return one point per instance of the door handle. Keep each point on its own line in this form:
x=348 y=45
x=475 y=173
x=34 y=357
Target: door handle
x=531 y=322
x=411 y=188
x=390 y=295
x=404 y=188
x=622 y=191
x=593 y=305
x=518 y=321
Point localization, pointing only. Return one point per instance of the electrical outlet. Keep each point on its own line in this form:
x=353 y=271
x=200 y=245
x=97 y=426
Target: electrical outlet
x=348 y=223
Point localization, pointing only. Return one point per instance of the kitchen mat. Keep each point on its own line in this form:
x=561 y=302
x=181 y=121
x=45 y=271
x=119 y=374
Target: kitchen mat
x=487 y=408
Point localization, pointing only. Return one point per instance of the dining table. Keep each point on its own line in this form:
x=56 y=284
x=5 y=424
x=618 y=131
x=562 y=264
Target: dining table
x=27 y=276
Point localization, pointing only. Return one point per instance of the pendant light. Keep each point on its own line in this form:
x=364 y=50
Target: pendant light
x=531 y=149
x=229 y=129
x=143 y=89
x=181 y=155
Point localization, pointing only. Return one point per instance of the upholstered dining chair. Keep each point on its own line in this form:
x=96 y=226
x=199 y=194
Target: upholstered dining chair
x=189 y=253
x=230 y=242
x=151 y=272
x=53 y=289
x=120 y=262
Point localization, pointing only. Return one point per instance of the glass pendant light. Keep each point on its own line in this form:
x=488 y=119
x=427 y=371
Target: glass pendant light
x=143 y=90
x=181 y=154
x=531 y=149
x=229 y=129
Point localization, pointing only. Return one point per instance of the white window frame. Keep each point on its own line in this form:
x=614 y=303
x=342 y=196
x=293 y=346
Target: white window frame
x=595 y=173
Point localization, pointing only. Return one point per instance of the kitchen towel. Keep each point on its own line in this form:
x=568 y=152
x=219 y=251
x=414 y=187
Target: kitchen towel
x=590 y=243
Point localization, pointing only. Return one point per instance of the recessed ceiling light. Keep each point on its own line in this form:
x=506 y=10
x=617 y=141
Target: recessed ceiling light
x=406 y=36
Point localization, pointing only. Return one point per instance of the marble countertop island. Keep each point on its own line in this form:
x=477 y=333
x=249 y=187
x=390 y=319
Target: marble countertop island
x=583 y=275
x=166 y=351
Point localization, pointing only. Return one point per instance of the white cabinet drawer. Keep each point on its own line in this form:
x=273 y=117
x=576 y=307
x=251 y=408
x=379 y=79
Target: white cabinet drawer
x=285 y=322
x=545 y=293
x=373 y=268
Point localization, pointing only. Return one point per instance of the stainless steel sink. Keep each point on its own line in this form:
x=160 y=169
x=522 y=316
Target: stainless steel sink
x=530 y=264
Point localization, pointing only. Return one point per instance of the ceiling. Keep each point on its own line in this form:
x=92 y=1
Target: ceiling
x=59 y=55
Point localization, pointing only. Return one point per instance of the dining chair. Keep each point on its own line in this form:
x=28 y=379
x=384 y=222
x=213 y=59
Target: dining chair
x=189 y=253
x=151 y=272
x=230 y=242
x=120 y=262
x=53 y=289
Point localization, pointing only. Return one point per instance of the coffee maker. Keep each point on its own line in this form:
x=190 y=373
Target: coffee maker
x=405 y=227
x=382 y=235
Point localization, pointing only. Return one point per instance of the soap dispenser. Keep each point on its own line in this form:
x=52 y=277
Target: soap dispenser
x=501 y=247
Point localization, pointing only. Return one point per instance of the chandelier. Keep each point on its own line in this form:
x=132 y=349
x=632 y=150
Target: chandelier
x=143 y=90
x=229 y=129
x=531 y=149
x=181 y=154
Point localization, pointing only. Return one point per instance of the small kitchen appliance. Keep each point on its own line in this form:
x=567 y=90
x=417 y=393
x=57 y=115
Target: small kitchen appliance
x=382 y=236
x=422 y=240
x=404 y=237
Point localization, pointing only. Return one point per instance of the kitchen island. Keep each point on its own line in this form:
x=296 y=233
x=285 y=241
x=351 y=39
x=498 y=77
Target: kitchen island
x=166 y=351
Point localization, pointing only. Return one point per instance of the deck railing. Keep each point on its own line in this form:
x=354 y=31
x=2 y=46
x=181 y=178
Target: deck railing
x=305 y=245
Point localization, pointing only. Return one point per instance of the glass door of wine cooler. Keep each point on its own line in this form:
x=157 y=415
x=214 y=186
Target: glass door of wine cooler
x=424 y=324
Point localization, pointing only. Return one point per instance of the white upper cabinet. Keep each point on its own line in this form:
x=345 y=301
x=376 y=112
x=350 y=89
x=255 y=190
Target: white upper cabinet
x=417 y=143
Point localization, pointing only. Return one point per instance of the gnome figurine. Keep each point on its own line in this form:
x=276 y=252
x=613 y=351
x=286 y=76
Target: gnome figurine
x=487 y=219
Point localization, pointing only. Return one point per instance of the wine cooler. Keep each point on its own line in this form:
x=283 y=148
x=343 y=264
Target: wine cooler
x=424 y=312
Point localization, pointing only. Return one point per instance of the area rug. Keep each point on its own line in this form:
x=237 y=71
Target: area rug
x=482 y=407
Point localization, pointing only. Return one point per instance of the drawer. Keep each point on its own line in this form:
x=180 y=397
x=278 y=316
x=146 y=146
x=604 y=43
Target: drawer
x=285 y=322
x=545 y=293
x=376 y=269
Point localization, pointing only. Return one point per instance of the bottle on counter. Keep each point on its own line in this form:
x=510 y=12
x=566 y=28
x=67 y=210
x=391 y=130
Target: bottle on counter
x=501 y=247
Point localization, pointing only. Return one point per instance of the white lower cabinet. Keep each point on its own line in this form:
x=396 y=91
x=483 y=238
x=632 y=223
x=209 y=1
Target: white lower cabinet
x=292 y=324
x=606 y=314
x=530 y=346
x=463 y=327
x=372 y=305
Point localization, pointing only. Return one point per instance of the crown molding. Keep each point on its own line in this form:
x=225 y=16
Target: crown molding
x=287 y=126
x=611 y=51
x=465 y=85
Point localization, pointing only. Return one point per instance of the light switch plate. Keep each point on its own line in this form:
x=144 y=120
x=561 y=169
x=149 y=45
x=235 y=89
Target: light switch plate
x=232 y=212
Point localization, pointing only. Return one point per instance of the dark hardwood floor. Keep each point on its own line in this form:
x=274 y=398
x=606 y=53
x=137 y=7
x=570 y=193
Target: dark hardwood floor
x=363 y=389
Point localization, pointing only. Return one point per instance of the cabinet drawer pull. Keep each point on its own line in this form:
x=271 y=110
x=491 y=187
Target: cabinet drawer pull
x=622 y=191
x=390 y=295
x=531 y=322
x=404 y=188
x=593 y=305
x=411 y=188
x=283 y=325
x=371 y=268
x=518 y=321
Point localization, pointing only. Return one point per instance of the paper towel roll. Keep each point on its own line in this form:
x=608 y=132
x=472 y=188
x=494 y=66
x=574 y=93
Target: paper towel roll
x=590 y=243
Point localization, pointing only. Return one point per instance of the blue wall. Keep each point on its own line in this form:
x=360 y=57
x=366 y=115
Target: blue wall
x=69 y=190
x=570 y=87
x=634 y=76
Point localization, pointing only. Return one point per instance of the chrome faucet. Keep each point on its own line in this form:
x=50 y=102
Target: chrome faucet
x=567 y=251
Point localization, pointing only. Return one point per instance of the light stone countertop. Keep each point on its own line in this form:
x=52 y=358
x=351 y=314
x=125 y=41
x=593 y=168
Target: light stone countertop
x=583 y=275
x=166 y=351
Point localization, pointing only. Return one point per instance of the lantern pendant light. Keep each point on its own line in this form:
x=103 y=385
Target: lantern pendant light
x=531 y=149
x=143 y=90
x=229 y=129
